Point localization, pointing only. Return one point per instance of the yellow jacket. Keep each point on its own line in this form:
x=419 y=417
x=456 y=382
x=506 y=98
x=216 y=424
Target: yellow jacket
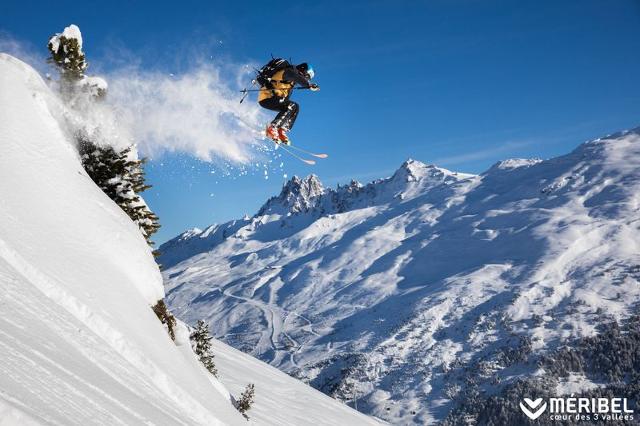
x=282 y=89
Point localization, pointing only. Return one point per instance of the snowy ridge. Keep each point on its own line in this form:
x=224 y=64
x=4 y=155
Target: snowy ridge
x=79 y=343
x=306 y=200
x=404 y=293
x=513 y=163
x=304 y=195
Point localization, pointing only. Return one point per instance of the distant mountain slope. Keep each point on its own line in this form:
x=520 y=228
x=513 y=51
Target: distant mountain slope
x=79 y=343
x=403 y=294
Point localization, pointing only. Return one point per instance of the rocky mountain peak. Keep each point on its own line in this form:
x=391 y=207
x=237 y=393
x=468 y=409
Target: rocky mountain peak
x=297 y=195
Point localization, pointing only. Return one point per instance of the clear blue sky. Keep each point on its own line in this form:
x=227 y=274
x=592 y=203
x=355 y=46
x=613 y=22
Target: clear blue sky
x=458 y=83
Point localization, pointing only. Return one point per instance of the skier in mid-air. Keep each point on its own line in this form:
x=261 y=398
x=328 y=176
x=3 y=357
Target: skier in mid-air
x=277 y=80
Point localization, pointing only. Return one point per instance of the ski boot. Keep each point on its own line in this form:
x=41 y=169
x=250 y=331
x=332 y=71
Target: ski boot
x=282 y=137
x=272 y=133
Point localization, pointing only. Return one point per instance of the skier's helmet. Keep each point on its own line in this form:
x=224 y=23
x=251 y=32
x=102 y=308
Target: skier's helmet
x=306 y=69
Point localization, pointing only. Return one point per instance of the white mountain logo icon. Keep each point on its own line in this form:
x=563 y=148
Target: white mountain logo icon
x=530 y=408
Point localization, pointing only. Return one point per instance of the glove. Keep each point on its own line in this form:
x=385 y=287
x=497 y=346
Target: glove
x=314 y=87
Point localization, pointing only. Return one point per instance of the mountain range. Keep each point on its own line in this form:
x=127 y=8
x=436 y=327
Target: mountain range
x=414 y=295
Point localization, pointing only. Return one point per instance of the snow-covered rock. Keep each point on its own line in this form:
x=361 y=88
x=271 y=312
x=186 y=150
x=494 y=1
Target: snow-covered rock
x=297 y=196
x=79 y=343
x=401 y=295
x=513 y=163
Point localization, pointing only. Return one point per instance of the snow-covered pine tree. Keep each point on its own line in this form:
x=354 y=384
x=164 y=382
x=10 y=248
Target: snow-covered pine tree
x=244 y=403
x=201 y=342
x=66 y=53
x=121 y=177
x=147 y=220
x=108 y=169
x=120 y=174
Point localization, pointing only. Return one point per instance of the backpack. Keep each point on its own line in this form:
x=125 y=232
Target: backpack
x=266 y=72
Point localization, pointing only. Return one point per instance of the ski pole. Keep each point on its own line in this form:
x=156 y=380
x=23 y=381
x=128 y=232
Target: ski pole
x=245 y=92
x=262 y=90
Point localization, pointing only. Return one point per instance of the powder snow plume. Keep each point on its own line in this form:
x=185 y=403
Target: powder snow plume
x=197 y=112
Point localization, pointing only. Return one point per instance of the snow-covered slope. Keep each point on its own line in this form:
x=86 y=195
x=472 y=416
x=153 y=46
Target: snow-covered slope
x=281 y=399
x=79 y=344
x=402 y=295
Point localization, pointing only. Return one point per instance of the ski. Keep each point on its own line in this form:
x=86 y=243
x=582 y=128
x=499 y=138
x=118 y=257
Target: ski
x=304 y=151
x=293 y=154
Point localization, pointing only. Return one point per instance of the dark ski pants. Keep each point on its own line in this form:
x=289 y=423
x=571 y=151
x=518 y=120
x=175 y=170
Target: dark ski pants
x=288 y=111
